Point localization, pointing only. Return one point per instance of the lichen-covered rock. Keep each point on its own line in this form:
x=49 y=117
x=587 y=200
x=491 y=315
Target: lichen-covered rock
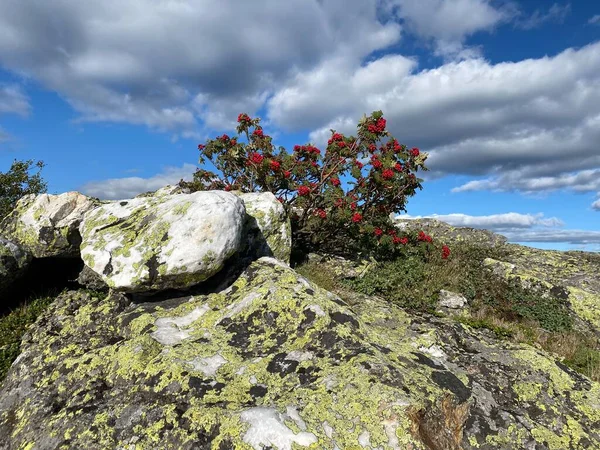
x=268 y=230
x=162 y=242
x=449 y=234
x=47 y=225
x=569 y=275
x=169 y=189
x=91 y=280
x=14 y=260
x=451 y=300
x=275 y=362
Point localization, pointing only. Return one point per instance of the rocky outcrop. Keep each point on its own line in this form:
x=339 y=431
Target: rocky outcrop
x=274 y=361
x=47 y=225
x=14 y=260
x=573 y=276
x=449 y=234
x=162 y=242
x=256 y=357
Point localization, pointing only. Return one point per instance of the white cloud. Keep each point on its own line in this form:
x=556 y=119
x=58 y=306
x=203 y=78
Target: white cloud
x=121 y=61
x=496 y=222
x=582 y=181
x=520 y=227
x=522 y=123
x=556 y=13
x=596 y=205
x=449 y=22
x=122 y=188
x=595 y=19
x=573 y=237
x=13 y=100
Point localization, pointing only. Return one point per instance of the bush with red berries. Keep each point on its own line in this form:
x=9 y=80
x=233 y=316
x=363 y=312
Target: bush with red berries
x=339 y=199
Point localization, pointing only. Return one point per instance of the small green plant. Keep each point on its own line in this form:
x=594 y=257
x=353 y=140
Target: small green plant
x=478 y=323
x=18 y=182
x=15 y=324
x=586 y=360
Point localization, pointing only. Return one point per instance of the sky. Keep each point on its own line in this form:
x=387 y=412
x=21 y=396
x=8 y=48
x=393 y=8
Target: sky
x=504 y=96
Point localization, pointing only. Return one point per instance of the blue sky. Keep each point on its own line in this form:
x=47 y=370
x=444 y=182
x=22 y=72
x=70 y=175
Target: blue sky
x=114 y=96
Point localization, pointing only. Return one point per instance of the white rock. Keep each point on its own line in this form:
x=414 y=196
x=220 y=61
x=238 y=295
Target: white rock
x=268 y=228
x=47 y=225
x=162 y=242
x=452 y=300
x=267 y=429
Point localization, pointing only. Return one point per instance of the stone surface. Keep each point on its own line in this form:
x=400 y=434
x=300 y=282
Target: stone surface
x=169 y=189
x=268 y=231
x=162 y=242
x=275 y=362
x=451 y=300
x=448 y=234
x=570 y=275
x=47 y=225
x=91 y=280
x=14 y=260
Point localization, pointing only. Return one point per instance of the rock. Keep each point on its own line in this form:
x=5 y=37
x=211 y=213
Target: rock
x=14 y=261
x=342 y=267
x=273 y=361
x=169 y=189
x=47 y=225
x=91 y=280
x=572 y=276
x=449 y=234
x=451 y=300
x=162 y=242
x=268 y=229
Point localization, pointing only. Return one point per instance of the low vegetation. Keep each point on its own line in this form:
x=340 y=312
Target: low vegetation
x=504 y=307
x=14 y=325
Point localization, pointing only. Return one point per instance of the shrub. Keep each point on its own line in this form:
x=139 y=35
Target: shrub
x=18 y=182
x=339 y=200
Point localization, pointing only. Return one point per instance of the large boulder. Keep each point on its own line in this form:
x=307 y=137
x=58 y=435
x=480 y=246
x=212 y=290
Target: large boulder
x=162 y=242
x=48 y=225
x=268 y=231
x=14 y=261
x=275 y=362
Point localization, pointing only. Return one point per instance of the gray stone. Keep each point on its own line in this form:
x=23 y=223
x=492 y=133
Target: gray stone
x=14 y=261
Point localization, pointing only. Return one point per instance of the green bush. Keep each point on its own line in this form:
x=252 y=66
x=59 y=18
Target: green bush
x=18 y=182
x=15 y=324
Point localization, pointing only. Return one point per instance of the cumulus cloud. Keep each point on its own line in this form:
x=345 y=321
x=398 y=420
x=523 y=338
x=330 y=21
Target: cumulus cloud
x=521 y=124
x=122 y=61
x=447 y=23
x=122 y=188
x=596 y=205
x=527 y=125
x=582 y=181
x=496 y=222
x=13 y=100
